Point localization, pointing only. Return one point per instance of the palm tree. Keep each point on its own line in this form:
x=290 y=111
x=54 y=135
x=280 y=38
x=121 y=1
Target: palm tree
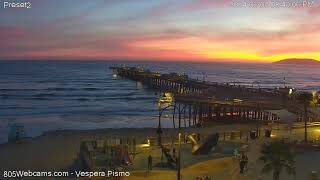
x=276 y=157
x=305 y=98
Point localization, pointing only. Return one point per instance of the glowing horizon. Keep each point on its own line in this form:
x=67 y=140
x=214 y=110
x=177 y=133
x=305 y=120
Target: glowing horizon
x=198 y=30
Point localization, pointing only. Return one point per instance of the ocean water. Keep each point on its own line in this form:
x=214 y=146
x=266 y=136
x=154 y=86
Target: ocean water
x=51 y=95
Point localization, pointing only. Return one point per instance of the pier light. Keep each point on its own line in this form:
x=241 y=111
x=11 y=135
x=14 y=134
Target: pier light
x=237 y=100
x=315 y=99
x=290 y=91
x=317 y=134
x=315 y=94
x=165 y=99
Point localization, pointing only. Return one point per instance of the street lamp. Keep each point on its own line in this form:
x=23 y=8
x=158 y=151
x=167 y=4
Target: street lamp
x=179 y=157
x=166 y=99
x=159 y=130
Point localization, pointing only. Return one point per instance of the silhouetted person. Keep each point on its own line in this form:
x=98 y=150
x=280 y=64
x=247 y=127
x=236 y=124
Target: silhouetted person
x=174 y=153
x=149 y=162
x=246 y=162
x=112 y=153
x=242 y=163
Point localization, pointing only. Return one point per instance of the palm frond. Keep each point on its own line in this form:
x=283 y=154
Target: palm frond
x=277 y=156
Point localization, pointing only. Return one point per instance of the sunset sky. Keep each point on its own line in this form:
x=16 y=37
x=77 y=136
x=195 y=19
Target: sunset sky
x=200 y=30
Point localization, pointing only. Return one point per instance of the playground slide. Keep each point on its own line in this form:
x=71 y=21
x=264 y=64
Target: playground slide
x=205 y=148
x=171 y=162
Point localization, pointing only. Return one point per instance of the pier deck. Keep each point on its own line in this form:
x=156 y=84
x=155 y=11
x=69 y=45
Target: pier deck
x=197 y=101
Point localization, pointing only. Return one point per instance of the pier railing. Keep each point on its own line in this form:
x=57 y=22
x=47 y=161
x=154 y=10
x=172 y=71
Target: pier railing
x=210 y=101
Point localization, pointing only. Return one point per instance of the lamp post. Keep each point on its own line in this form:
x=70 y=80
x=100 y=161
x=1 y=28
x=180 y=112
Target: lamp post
x=179 y=157
x=159 y=129
x=258 y=121
x=159 y=132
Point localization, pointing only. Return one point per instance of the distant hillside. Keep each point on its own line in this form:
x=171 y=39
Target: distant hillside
x=296 y=61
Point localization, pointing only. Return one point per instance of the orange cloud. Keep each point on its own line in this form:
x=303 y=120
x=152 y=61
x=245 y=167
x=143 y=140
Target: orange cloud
x=156 y=34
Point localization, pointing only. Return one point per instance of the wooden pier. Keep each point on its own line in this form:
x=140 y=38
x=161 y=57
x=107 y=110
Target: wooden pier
x=200 y=102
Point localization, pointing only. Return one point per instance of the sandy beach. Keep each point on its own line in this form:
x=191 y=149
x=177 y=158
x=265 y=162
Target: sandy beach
x=160 y=90
x=59 y=150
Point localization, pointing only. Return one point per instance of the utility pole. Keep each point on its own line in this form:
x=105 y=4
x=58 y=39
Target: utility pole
x=159 y=129
x=305 y=121
x=179 y=157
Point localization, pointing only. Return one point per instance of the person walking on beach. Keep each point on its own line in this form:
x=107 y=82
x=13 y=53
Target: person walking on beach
x=149 y=162
x=242 y=163
x=235 y=154
x=246 y=162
